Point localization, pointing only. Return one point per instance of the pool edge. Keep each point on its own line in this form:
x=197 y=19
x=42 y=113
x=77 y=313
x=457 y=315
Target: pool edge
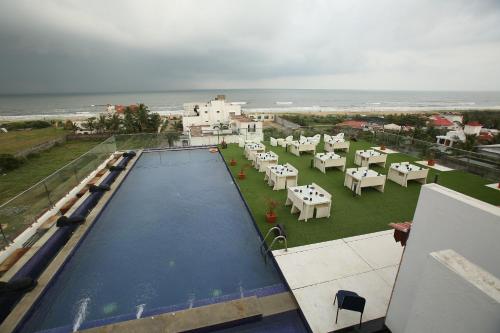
x=22 y=309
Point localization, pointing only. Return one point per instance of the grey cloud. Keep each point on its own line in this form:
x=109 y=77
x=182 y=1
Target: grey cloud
x=70 y=45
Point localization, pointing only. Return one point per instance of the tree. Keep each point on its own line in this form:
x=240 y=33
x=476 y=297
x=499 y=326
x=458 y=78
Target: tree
x=114 y=123
x=154 y=122
x=101 y=123
x=142 y=118
x=129 y=121
x=469 y=144
x=172 y=137
x=90 y=123
x=68 y=125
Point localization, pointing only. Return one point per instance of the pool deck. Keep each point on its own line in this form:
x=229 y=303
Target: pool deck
x=366 y=264
x=202 y=318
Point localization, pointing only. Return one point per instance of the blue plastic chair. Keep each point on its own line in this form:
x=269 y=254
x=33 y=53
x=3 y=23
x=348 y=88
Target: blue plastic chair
x=349 y=300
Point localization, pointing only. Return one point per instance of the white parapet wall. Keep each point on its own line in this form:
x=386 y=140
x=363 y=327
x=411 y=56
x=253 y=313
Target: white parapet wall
x=455 y=295
x=444 y=219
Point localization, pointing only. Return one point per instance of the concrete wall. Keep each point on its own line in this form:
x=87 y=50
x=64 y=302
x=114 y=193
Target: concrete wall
x=40 y=147
x=212 y=139
x=444 y=219
x=454 y=295
x=286 y=123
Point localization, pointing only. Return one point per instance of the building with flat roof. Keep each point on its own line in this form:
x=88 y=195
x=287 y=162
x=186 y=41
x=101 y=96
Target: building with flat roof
x=217 y=120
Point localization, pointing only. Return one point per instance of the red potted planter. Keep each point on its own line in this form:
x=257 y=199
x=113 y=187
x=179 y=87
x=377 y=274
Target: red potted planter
x=271 y=214
x=382 y=147
x=233 y=162
x=271 y=217
x=241 y=175
x=431 y=162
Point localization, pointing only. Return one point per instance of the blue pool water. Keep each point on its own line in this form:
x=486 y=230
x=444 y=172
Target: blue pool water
x=176 y=234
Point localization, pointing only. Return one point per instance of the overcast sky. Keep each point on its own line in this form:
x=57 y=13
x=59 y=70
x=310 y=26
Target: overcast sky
x=124 y=45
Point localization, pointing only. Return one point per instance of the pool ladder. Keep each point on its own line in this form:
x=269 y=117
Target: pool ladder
x=280 y=237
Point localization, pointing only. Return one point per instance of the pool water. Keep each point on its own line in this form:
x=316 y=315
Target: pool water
x=176 y=234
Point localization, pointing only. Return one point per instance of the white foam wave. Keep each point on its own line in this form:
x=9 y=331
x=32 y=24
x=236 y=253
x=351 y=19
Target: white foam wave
x=81 y=313
x=284 y=103
x=140 y=310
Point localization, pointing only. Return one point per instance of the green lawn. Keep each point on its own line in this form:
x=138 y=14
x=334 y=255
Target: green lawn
x=350 y=215
x=40 y=166
x=15 y=141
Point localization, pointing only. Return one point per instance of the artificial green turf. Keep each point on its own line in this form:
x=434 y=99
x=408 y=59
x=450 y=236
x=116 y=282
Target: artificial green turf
x=350 y=215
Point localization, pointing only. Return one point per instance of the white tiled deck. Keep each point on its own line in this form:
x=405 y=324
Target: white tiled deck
x=366 y=264
x=494 y=186
x=436 y=166
x=385 y=151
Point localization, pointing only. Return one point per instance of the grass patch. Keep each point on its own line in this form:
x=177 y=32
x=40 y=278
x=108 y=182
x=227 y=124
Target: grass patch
x=16 y=141
x=39 y=166
x=350 y=215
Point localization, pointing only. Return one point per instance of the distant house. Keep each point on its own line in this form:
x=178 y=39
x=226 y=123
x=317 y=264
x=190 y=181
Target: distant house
x=456 y=118
x=473 y=128
x=440 y=122
x=209 y=122
x=120 y=109
x=451 y=138
x=392 y=127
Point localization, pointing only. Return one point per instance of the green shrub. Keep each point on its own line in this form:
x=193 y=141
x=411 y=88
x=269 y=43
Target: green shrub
x=9 y=162
x=26 y=124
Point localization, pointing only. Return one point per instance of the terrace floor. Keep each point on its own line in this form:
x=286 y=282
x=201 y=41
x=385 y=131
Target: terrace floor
x=350 y=215
x=365 y=264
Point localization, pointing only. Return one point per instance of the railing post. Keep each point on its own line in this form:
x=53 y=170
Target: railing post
x=47 y=193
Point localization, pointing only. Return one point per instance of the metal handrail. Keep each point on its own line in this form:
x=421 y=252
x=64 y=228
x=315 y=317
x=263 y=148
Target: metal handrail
x=267 y=235
x=272 y=243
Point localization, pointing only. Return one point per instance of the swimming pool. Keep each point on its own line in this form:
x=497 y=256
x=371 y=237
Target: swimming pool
x=176 y=234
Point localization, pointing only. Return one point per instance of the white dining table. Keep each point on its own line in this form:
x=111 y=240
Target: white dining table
x=366 y=157
x=358 y=178
x=281 y=176
x=323 y=161
x=263 y=160
x=402 y=172
x=310 y=201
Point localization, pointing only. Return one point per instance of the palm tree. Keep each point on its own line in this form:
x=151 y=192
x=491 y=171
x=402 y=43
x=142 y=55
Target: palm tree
x=172 y=137
x=101 y=123
x=90 y=123
x=142 y=116
x=129 y=121
x=114 y=122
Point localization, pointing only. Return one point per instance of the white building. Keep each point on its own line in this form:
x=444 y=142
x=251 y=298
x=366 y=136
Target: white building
x=448 y=280
x=451 y=137
x=260 y=116
x=453 y=117
x=473 y=128
x=217 y=120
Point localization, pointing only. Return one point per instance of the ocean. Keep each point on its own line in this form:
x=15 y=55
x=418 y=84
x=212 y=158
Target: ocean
x=263 y=100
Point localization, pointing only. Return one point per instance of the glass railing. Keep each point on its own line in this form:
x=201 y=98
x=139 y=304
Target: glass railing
x=20 y=212
x=483 y=165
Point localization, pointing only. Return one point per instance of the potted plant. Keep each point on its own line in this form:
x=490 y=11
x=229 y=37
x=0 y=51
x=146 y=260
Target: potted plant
x=241 y=174
x=223 y=144
x=382 y=147
x=271 y=214
x=232 y=162
x=431 y=161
